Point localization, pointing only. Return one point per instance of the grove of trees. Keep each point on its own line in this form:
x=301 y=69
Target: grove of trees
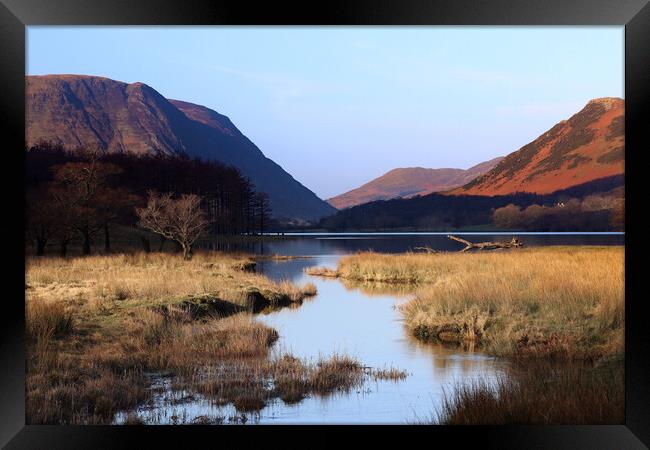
x=594 y=212
x=81 y=196
x=592 y=206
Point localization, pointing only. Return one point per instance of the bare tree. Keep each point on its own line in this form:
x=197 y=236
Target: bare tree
x=179 y=219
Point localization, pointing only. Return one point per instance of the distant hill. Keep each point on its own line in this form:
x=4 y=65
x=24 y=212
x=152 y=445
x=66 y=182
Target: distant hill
x=409 y=182
x=443 y=212
x=580 y=157
x=588 y=146
x=79 y=110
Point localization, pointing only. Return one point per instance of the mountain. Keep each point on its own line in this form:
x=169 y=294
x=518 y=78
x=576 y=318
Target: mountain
x=588 y=146
x=585 y=207
x=409 y=182
x=570 y=178
x=90 y=111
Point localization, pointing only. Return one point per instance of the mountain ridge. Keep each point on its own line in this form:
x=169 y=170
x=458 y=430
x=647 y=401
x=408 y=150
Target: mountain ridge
x=114 y=116
x=589 y=145
x=572 y=175
x=405 y=182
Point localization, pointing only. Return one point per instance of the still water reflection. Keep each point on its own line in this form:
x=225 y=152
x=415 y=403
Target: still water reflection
x=362 y=321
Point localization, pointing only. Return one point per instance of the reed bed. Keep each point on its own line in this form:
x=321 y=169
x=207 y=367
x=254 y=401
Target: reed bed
x=97 y=325
x=540 y=393
x=556 y=312
x=99 y=328
x=563 y=302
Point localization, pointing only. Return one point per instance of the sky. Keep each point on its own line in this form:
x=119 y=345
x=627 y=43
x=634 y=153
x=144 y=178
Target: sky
x=339 y=106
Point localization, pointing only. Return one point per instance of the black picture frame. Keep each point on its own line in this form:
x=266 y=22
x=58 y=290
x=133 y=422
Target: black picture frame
x=16 y=15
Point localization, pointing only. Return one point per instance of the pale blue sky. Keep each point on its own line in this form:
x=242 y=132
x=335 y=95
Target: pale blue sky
x=339 y=106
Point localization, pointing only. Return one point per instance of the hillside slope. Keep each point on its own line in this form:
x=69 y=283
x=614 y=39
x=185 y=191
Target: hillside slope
x=89 y=111
x=409 y=182
x=588 y=146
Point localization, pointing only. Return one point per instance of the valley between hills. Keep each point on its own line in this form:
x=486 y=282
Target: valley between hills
x=578 y=163
x=196 y=309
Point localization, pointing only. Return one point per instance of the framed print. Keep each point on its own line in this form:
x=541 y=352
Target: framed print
x=413 y=218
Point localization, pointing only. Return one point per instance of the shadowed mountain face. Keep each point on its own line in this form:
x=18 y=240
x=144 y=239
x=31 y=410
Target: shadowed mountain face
x=409 y=182
x=97 y=112
x=589 y=146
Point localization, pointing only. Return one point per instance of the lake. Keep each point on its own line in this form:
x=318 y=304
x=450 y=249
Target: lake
x=364 y=322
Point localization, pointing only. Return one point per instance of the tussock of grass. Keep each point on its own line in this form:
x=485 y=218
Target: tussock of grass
x=46 y=320
x=309 y=290
x=391 y=268
x=560 y=302
x=340 y=372
x=255 y=383
x=177 y=343
x=321 y=272
x=390 y=373
x=558 y=311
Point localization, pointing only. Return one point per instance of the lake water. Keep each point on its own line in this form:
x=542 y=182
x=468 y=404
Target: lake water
x=363 y=322
x=317 y=244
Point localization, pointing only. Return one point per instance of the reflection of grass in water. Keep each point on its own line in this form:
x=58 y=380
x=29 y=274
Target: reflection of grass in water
x=98 y=327
x=564 y=302
x=250 y=384
x=282 y=258
x=388 y=374
x=542 y=392
x=379 y=289
x=558 y=311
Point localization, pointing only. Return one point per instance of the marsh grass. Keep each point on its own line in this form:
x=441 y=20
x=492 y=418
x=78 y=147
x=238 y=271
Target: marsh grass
x=321 y=272
x=557 y=302
x=380 y=289
x=540 y=393
x=388 y=374
x=152 y=277
x=99 y=327
x=46 y=320
x=256 y=382
x=556 y=312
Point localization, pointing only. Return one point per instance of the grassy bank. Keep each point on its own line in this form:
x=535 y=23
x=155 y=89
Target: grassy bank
x=556 y=312
x=215 y=283
x=561 y=302
x=98 y=327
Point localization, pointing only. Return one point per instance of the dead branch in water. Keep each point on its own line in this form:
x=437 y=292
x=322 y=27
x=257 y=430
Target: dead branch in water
x=514 y=243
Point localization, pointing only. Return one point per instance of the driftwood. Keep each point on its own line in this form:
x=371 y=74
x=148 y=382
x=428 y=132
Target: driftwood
x=514 y=243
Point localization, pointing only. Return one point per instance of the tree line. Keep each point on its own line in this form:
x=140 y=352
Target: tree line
x=595 y=212
x=82 y=195
x=594 y=206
